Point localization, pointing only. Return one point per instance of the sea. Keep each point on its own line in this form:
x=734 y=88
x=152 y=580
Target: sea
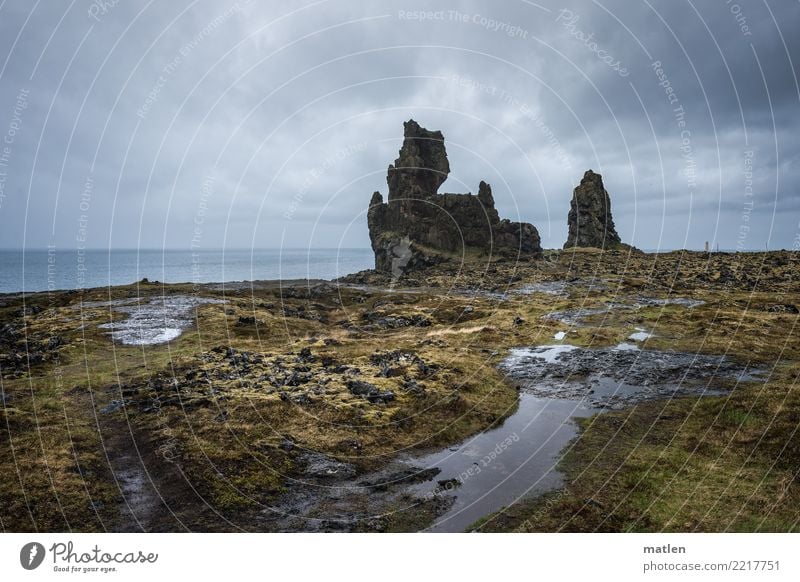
x=51 y=270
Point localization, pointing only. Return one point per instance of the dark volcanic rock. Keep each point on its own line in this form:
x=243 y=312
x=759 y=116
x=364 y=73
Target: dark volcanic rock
x=783 y=308
x=417 y=223
x=321 y=466
x=590 y=222
x=369 y=391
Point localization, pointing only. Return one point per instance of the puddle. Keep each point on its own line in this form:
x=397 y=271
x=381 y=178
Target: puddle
x=682 y=301
x=548 y=354
x=500 y=466
x=576 y=317
x=625 y=347
x=329 y=496
x=557 y=288
x=462 y=483
x=156 y=321
x=553 y=288
x=640 y=335
x=618 y=376
x=560 y=336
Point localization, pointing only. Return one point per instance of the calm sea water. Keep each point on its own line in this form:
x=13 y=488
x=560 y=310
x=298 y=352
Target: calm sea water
x=41 y=270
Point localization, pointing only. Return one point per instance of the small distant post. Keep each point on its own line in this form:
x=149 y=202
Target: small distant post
x=706 y=247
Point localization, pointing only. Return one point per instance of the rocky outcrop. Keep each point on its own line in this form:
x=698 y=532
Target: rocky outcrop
x=590 y=222
x=417 y=226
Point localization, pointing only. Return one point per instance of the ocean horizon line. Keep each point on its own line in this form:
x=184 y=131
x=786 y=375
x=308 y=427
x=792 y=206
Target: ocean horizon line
x=178 y=249
x=321 y=248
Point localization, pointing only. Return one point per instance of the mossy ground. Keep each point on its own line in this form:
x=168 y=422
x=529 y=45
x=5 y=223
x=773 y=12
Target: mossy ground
x=708 y=464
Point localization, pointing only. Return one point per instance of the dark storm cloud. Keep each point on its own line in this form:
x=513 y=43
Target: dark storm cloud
x=249 y=123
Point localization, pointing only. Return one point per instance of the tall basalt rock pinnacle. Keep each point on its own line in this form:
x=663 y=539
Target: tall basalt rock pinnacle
x=590 y=222
x=417 y=225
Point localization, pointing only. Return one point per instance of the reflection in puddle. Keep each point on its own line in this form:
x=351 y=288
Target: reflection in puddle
x=558 y=384
x=463 y=483
x=547 y=353
x=625 y=347
x=498 y=467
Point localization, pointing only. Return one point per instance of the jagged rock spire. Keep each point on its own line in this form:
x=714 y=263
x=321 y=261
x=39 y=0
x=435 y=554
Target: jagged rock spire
x=590 y=222
x=417 y=225
x=422 y=165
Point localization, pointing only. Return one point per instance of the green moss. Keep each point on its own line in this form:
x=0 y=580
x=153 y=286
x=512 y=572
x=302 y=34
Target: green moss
x=678 y=465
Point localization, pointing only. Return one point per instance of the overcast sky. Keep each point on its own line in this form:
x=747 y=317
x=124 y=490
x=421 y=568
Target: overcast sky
x=265 y=124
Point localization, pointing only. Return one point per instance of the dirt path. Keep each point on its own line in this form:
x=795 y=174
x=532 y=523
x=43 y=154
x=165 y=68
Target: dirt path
x=141 y=501
x=155 y=495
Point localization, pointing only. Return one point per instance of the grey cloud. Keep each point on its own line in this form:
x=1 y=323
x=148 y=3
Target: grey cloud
x=259 y=96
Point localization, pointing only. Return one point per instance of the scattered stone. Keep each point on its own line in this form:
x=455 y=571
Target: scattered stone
x=306 y=355
x=394 y=357
x=784 y=308
x=302 y=313
x=403 y=477
x=360 y=388
x=301 y=399
x=30 y=310
x=413 y=387
x=389 y=371
x=380 y=321
x=297 y=378
x=112 y=406
x=322 y=466
x=350 y=444
x=369 y=391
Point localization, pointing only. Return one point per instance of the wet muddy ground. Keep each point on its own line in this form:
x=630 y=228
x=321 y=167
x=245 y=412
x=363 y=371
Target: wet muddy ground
x=454 y=487
x=450 y=488
x=591 y=365
x=619 y=376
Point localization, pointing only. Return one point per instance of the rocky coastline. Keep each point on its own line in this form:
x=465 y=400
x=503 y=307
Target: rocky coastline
x=283 y=406
x=461 y=384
